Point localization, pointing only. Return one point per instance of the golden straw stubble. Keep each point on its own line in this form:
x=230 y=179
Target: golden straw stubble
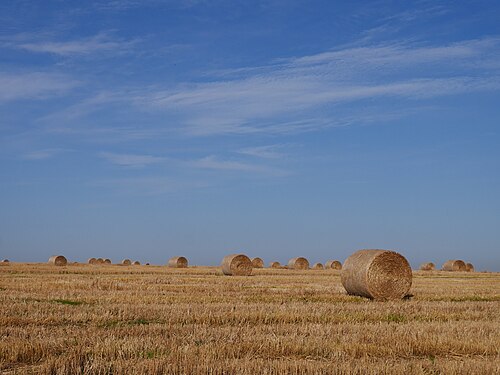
x=377 y=274
x=237 y=265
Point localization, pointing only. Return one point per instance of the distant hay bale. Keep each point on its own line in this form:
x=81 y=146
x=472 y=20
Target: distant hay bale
x=318 y=266
x=274 y=265
x=92 y=261
x=100 y=261
x=427 y=266
x=178 y=262
x=377 y=274
x=469 y=267
x=257 y=263
x=298 y=263
x=454 y=265
x=333 y=265
x=58 y=260
x=107 y=261
x=5 y=261
x=137 y=263
x=237 y=265
x=126 y=262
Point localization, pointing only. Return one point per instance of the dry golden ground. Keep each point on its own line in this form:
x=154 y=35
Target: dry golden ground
x=83 y=319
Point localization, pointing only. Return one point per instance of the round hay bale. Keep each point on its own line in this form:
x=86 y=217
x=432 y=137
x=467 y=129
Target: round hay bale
x=257 y=263
x=469 y=267
x=137 y=263
x=377 y=274
x=274 y=265
x=178 y=262
x=237 y=265
x=318 y=266
x=298 y=263
x=427 y=266
x=92 y=261
x=333 y=265
x=454 y=265
x=100 y=261
x=5 y=261
x=58 y=260
x=126 y=262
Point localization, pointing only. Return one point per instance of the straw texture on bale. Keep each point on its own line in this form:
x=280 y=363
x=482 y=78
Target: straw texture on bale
x=298 y=263
x=427 y=266
x=257 y=263
x=107 y=261
x=178 y=262
x=469 y=267
x=92 y=261
x=274 y=265
x=137 y=263
x=318 y=266
x=58 y=260
x=236 y=265
x=454 y=265
x=377 y=274
x=333 y=265
x=126 y=262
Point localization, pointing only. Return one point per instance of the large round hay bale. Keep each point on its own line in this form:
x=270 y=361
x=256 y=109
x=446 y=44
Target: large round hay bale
x=236 y=265
x=5 y=261
x=333 y=265
x=126 y=262
x=137 y=263
x=454 y=265
x=58 y=260
x=274 y=265
x=469 y=267
x=257 y=263
x=178 y=262
x=429 y=266
x=318 y=266
x=92 y=261
x=377 y=274
x=107 y=261
x=298 y=263
x=100 y=261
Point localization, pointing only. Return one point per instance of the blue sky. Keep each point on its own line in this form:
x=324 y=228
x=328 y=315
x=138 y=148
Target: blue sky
x=148 y=129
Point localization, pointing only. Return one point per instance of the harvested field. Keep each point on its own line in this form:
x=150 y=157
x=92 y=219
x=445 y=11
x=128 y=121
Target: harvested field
x=159 y=320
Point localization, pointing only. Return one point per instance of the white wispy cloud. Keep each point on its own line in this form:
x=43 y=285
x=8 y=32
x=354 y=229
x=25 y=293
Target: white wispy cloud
x=43 y=154
x=14 y=86
x=131 y=160
x=305 y=89
x=265 y=152
x=100 y=43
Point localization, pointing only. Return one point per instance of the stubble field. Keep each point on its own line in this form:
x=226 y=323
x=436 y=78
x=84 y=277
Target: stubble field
x=83 y=319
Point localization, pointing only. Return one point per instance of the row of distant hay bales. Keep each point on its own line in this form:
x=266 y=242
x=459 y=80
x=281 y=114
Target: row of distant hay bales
x=372 y=273
x=454 y=265
x=301 y=263
x=60 y=260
